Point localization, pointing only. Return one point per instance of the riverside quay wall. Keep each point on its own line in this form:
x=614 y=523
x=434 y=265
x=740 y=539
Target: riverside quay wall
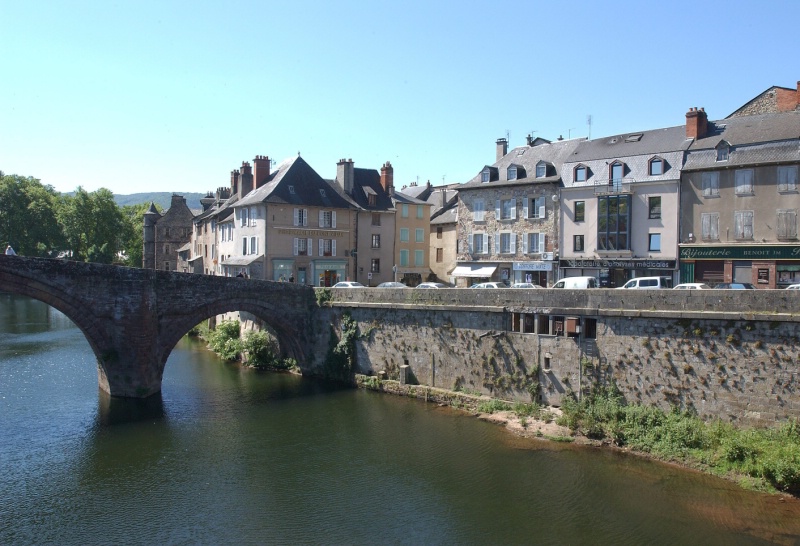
x=728 y=354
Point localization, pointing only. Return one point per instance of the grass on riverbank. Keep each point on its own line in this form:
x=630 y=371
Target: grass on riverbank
x=767 y=459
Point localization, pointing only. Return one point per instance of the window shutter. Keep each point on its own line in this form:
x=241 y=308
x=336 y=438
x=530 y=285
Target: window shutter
x=542 y=208
x=525 y=208
x=296 y=221
x=321 y=219
x=497 y=243
x=497 y=210
x=791 y=224
x=714 y=226
x=310 y=246
x=525 y=243
x=747 y=225
x=738 y=227
x=333 y=219
x=305 y=217
x=469 y=243
x=321 y=247
x=294 y=246
x=542 y=243
x=485 y=243
x=513 y=243
x=333 y=247
x=513 y=209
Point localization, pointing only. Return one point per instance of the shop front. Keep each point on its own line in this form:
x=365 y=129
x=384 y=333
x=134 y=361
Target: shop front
x=537 y=272
x=329 y=272
x=612 y=273
x=764 y=266
x=244 y=266
x=469 y=273
x=282 y=270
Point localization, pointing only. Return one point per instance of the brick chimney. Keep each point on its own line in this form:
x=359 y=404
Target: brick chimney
x=696 y=123
x=261 y=170
x=502 y=148
x=387 y=176
x=246 y=179
x=234 y=181
x=344 y=175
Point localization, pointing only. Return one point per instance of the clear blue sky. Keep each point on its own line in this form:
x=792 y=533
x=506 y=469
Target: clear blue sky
x=139 y=96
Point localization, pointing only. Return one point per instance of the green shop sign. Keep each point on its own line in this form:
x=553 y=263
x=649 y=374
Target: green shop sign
x=741 y=252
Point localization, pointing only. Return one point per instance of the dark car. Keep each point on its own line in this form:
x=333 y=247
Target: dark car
x=734 y=286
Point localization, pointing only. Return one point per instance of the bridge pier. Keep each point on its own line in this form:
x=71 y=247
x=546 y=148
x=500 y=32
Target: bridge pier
x=127 y=375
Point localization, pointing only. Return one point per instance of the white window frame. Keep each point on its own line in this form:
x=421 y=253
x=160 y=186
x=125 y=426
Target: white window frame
x=534 y=208
x=300 y=217
x=534 y=242
x=478 y=210
x=654 y=238
x=484 y=241
x=253 y=245
x=506 y=242
x=327 y=218
x=541 y=169
x=506 y=209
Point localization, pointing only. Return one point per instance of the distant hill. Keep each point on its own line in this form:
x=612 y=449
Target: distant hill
x=163 y=198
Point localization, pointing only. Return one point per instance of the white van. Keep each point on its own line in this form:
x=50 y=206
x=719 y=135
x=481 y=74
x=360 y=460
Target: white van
x=647 y=283
x=576 y=282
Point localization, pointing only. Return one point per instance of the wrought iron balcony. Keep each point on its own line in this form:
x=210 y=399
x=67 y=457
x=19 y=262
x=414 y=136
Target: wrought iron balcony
x=614 y=186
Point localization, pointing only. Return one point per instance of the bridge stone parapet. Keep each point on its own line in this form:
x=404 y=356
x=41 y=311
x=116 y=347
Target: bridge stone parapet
x=132 y=318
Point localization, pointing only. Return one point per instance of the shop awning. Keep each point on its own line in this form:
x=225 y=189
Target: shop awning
x=474 y=270
x=195 y=259
x=242 y=260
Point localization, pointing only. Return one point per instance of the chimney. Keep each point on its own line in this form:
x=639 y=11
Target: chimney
x=246 y=179
x=696 y=123
x=502 y=148
x=234 y=181
x=223 y=194
x=344 y=175
x=261 y=170
x=529 y=140
x=387 y=176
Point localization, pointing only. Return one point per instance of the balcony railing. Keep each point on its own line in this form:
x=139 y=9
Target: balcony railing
x=614 y=186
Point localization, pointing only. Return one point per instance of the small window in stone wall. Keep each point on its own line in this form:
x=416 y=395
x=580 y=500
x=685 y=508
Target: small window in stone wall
x=589 y=328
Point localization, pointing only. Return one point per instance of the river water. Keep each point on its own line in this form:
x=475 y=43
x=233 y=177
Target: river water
x=228 y=455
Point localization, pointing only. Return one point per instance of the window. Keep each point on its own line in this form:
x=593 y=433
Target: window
x=438 y=232
x=322 y=192
x=302 y=247
x=711 y=184
x=166 y=266
x=654 y=205
x=537 y=243
x=743 y=224
x=613 y=219
x=327 y=218
x=243 y=217
x=166 y=249
x=419 y=235
x=508 y=243
x=300 y=217
x=439 y=255
x=253 y=245
x=404 y=211
x=291 y=189
x=372 y=200
x=419 y=258
x=404 y=235
x=581 y=173
x=655 y=242
x=478 y=210
x=577 y=243
x=376 y=219
x=535 y=208
x=404 y=258
x=327 y=247
x=744 y=181
x=787 y=178
x=485 y=175
x=478 y=244
x=787 y=224
x=213 y=226
x=616 y=173
x=722 y=152
x=376 y=240
x=656 y=166
x=507 y=209
x=244 y=246
x=579 y=212
x=420 y=211
x=710 y=226
x=541 y=169
x=511 y=173
x=375 y=266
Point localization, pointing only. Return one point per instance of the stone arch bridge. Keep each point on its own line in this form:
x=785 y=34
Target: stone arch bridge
x=133 y=318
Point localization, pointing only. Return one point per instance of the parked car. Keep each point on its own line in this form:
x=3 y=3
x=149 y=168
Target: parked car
x=793 y=287
x=525 y=285
x=576 y=282
x=489 y=285
x=432 y=285
x=348 y=284
x=391 y=284
x=646 y=283
x=734 y=286
x=692 y=286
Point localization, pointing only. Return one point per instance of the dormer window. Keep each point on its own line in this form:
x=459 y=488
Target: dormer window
x=541 y=169
x=485 y=175
x=616 y=172
x=372 y=199
x=581 y=173
x=512 y=172
x=656 y=166
x=322 y=192
x=291 y=190
x=723 y=151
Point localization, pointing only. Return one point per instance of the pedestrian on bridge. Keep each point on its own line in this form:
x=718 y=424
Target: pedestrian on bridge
x=10 y=251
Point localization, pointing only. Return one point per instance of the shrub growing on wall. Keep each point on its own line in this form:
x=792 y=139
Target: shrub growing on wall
x=225 y=340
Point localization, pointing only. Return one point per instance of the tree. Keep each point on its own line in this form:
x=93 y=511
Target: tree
x=132 y=233
x=93 y=225
x=28 y=216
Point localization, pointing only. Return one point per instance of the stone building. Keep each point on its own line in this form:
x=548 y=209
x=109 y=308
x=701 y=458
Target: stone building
x=508 y=215
x=772 y=101
x=165 y=233
x=444 y=233
x=739 y=200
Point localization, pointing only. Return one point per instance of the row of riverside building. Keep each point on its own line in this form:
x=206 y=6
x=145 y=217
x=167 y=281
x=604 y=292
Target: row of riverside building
x=707 y=201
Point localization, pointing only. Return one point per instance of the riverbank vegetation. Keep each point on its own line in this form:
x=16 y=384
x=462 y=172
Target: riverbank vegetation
x=764 y=459
x=257 y=349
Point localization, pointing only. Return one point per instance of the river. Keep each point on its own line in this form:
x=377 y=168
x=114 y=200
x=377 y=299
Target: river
x=228 y=455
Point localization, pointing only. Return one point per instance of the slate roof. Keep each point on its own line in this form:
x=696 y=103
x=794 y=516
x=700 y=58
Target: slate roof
x=647 y=143
x=447 y=216
x=417 y=191
x=366 y=181
x=554 y=153
x=309 y=188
